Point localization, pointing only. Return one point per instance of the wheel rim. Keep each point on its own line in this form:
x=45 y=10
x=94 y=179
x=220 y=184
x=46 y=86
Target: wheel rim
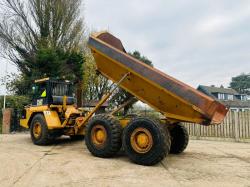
x=141 y=140
x=98 y=135
x=37 y=130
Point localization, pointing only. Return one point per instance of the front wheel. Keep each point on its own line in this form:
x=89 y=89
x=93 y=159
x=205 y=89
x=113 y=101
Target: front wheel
x=39 y=130
x=145 y=141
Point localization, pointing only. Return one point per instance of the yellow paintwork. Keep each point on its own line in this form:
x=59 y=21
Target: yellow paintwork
x=50 y=115
x=98 y=135
x=124 y=122
x=196 y=107
x=71 y=126
x=37 y=130
x=64 y=106
x=29 y=111
x=163 y=100
x=141 y=140
x=24 y=123
x=70 y=109
x=52 y=119
x=83 y=122
x=42 y=80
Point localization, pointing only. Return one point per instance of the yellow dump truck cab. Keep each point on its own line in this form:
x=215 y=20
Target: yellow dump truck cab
x=52 y=110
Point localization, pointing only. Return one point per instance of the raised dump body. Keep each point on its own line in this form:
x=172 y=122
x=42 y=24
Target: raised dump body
x=173 y=98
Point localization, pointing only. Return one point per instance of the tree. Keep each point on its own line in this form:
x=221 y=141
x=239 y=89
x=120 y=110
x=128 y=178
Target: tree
x=43 y=38
x=16 y=84
x=123 y=96
x=94 y=85
x=142 y=58
x=16 y=102
x=241 y=83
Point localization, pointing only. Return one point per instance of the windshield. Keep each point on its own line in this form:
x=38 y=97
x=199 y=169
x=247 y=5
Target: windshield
x=39 y=90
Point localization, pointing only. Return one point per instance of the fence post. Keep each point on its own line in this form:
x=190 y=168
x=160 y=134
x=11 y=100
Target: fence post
x=236 y=126
x=197 y=131
x=7 y=113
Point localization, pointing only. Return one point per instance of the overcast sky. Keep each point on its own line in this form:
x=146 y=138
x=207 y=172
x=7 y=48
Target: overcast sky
x=196 y=41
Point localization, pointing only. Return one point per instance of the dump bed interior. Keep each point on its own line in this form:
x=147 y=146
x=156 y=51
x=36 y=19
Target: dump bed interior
x=173 y=98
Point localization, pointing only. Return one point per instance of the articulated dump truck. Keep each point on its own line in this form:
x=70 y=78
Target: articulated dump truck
x=146 y=141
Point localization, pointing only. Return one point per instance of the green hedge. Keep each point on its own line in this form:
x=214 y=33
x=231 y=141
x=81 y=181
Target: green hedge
x=15 y=102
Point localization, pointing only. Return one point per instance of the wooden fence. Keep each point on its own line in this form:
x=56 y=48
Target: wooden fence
x=235 y=126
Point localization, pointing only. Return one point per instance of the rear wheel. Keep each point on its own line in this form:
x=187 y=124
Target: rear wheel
x=39 y=130
x=179 y=138
x=145 y=141
x=103 y=136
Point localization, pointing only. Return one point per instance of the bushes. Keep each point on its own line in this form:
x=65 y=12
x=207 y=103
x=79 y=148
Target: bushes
x=15 y=102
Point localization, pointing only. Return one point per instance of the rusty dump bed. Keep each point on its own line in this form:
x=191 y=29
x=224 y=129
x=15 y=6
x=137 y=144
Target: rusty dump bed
x=173 y=98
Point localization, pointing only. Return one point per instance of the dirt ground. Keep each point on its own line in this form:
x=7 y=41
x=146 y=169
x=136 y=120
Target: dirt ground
x=68 y=163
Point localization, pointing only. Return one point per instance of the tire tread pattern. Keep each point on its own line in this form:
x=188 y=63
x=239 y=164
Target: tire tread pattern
x=44 y=139
x=159 y=154
x=115 y=139
x=180 y=139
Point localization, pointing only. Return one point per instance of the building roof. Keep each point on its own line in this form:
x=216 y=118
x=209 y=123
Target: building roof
x=236 y=103
x=210 y=90
x=213 y=89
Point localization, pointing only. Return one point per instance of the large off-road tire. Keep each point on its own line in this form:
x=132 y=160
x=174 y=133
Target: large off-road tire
x=179 y=138
x=145 y=141
x=39 y=130
x=103 y=136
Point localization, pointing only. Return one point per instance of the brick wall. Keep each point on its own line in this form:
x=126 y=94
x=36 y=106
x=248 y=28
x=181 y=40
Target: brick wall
x=7 y=116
